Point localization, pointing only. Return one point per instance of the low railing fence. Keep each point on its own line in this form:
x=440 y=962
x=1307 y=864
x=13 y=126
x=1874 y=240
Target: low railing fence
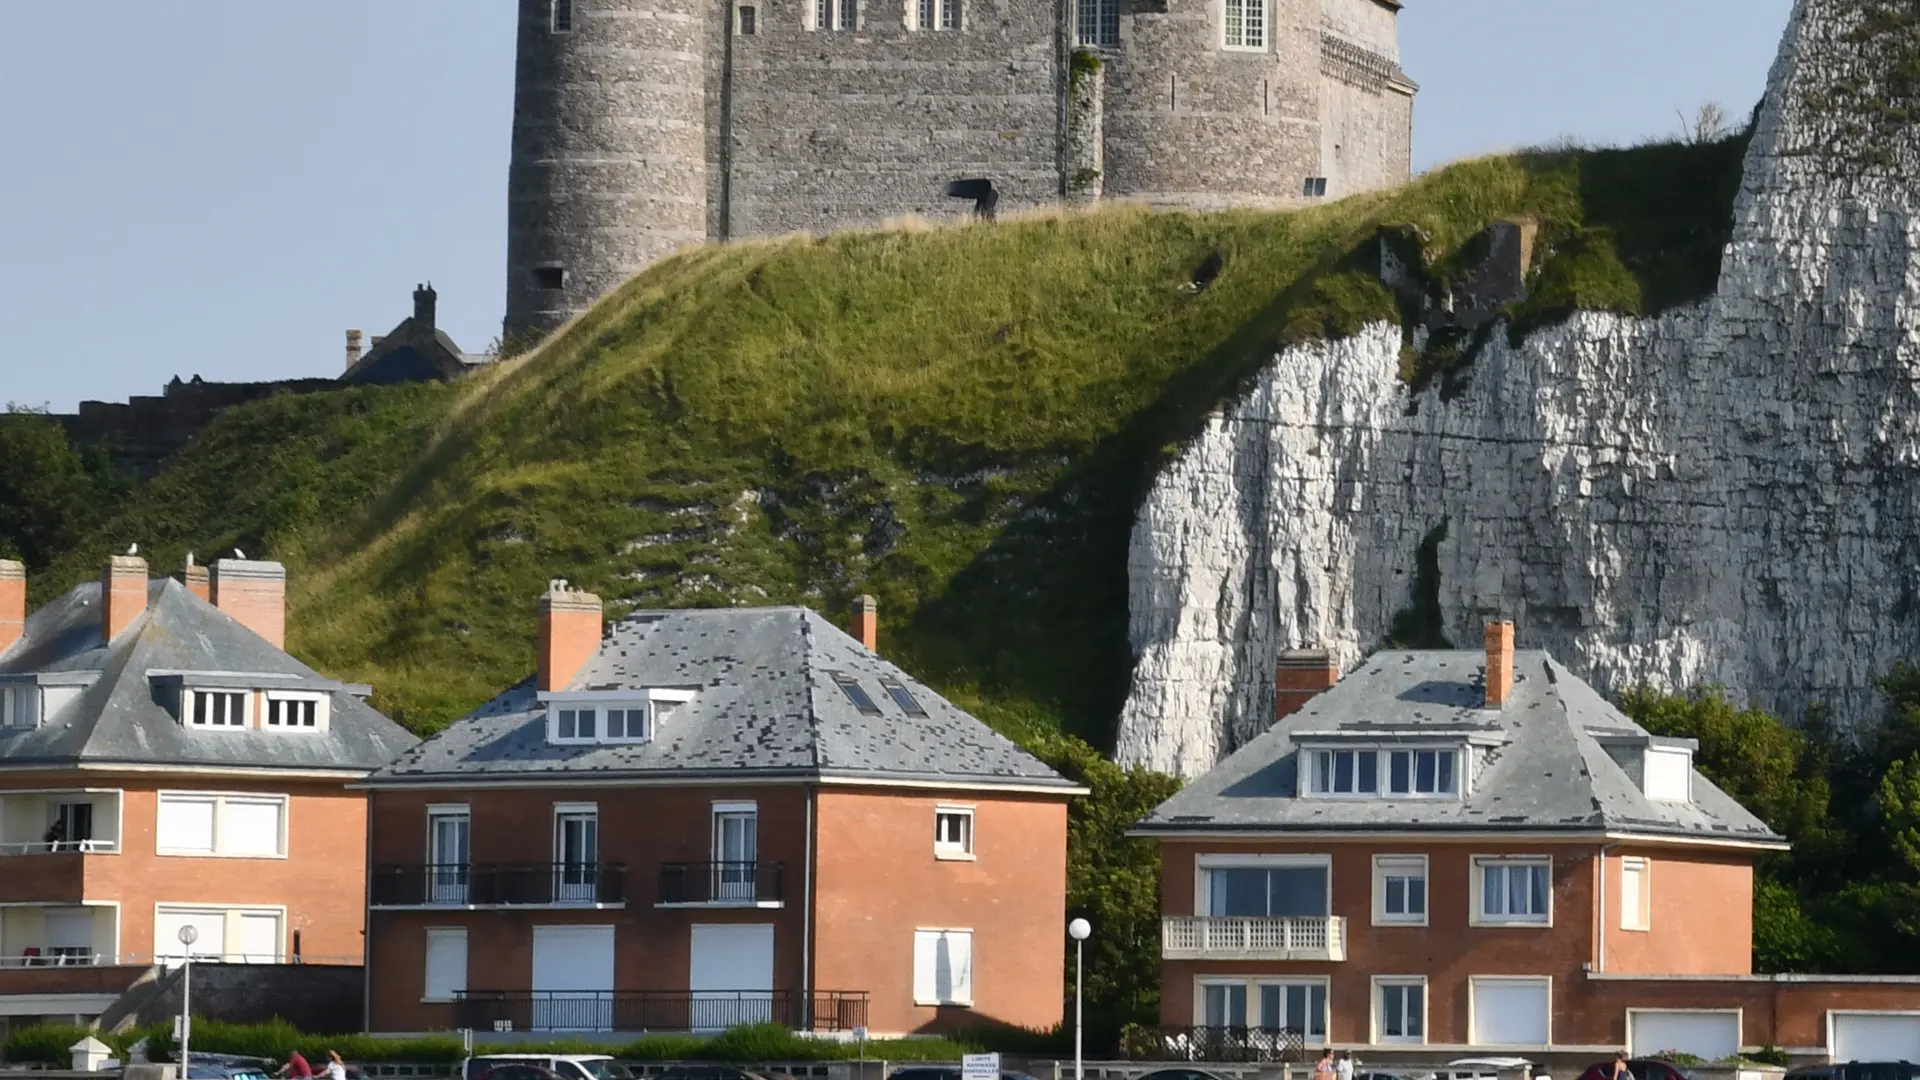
x=720 y=883
x=658 y=1010
x=1204 y=1043
x=491 y=884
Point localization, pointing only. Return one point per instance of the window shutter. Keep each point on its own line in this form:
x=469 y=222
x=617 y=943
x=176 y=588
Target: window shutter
x=959 y=966
x=251 y=827
x=446 y=963
x=212 y=925
x=259 y=937
x=926 y=963
x=185 y=823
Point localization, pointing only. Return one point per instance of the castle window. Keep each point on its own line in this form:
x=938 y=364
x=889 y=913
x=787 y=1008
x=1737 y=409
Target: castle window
x=836 y=14
x=1096 y=22
x=561 y=17
x=1246 y=24
x=549 y=277
x=1316 y=187
x=938 y=15
x=747 y=15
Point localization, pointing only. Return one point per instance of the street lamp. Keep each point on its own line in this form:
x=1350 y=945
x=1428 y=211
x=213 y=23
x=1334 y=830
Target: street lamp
x=188 y=935
x=1079 y=930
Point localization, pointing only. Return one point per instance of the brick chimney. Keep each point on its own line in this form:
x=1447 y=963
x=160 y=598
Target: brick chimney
x=123 y=594
x=353 y=348
x=253 y=593
x=1301 y=674
x=866 y=621
x=13 y=602
x=423 y=304
x=569 y=633
x=1499 y=663
x=198 y=583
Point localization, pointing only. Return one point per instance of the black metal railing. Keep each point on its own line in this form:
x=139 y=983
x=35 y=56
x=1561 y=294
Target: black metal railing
x=1203 y=1043
x=497 y=885
x=658 y=1010
x=720 y=883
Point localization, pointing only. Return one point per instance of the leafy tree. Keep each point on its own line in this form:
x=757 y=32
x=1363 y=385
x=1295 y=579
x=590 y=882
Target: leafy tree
x=51 y=493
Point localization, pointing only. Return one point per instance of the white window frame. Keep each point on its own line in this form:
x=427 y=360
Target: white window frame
x=426 y=986
x=936 y=16
x=190 y=708
x=1401 y=866
x=20 y=706
x=1253 y=985
x=653 y=705
x=942 y=932
x=1413 y=772
x=1099 y=14
x=230 y=918
x=322 y=710
x=942 y=849
x=1203 y=889
x=1261 y=25
x=1476 y=910
x=1315 y=777
x=831 y=15
x=220 y=800
x=1473 y=1021
x=627 y=711
x=1642 y=871
x=1380 y=983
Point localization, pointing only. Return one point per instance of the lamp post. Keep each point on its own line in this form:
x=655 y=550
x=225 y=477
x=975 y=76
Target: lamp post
x=1079 y=930
x=188 y=935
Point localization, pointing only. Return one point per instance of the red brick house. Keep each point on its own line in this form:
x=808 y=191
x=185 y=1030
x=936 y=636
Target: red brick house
x=691 y=819
x=1457 y=851
x=163 y=764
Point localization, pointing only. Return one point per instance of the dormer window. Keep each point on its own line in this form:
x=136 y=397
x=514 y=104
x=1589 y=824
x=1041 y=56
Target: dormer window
x=297 y=711
x=576 y=725
x=217 y=709
x=599 y=718
x=1378 y=772
x=1668 y=774
x=19 y=706
x=628 y=724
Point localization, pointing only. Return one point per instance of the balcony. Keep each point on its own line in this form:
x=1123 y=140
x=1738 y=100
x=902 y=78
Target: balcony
x=720 y=884
x=531 y=885
x=59 y=822
x=1243 y=937
x=658 y=1010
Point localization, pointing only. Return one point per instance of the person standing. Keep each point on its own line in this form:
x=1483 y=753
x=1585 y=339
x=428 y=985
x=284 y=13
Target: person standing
x=1343 y=1068
x=1324 y=1069
x=336 y=1069
x=296 y=1068
x=1620 y=1070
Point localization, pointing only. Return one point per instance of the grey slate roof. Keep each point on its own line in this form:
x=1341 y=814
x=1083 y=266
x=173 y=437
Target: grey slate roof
x=766 y=706
x=117 y=719
x=1542 y=765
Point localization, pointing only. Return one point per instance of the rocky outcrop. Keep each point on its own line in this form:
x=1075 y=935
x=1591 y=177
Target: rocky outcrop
x=1727 y=494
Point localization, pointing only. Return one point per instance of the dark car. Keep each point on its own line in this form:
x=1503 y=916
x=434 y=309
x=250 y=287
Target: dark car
x=1874 y=1070
x=710 y=1072
x=947 y=1072
x=1184 y=1074
x=227 y=1067
x=1640 y=1069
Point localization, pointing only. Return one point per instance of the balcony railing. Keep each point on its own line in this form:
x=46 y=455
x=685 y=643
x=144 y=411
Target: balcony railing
x=658 y=1010
x=720 y=884
x=1200 y=1043
x=59 y=847
x=1244 y=937
x=485 y=885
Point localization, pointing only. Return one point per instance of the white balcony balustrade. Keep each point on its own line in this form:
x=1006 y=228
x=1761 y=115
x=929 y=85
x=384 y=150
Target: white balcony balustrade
x=1247 y=937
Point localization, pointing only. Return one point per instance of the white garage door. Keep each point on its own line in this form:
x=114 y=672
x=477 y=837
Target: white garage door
x=573 y=978
x=1875 y=1036
x=1510 y=1012
x=732 y=975
x=1709 y=1035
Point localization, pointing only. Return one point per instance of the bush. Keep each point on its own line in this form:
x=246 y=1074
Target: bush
x=1678 y=1057
x=276 y=1039
x=42 y=1044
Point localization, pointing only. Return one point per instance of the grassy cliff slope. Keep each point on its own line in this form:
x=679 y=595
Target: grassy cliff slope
x=961 y=421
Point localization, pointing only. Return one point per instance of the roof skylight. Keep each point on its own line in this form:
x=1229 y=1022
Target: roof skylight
x=903 y=697
x=856 y=694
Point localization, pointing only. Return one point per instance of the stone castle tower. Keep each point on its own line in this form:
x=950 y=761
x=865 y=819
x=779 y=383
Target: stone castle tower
x=642 y=126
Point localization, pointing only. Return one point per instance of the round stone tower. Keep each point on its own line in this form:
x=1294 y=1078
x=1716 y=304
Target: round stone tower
x=609 y=149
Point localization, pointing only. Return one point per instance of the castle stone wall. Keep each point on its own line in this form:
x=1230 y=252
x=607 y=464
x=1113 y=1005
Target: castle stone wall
x=837 y=128
x=609 y=149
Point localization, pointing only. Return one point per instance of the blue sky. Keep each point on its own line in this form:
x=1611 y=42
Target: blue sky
x=223 y=187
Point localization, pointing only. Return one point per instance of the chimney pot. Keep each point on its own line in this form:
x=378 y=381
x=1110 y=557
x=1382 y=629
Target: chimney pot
x=253 y=593
x=123 y=594
x=423 y=305
x=353 y=348
x=13 y=602
x=1300 y=674
x=1499 y=663
x=570 y=628
x=866 y=621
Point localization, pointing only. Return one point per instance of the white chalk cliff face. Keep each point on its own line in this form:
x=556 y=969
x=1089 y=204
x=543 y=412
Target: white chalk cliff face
x=1728 y=494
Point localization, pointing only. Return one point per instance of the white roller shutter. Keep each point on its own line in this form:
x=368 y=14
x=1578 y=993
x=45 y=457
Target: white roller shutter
x=251 y=826
x=1704 y=1034
x=943 y=967
x=1874 y=1036
x=210 y=922
x=731 y=975
x=259 y=935
x=185 y=823
x=69 y=929
x=573 y=978
x=1511 y=1012
x=446 y=963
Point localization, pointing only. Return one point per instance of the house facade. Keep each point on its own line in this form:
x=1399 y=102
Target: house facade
x=1455 y=851
x=692 y=819
x=164 y=765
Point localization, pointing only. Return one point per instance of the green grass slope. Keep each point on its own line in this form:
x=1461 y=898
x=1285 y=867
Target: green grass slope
x=962 y=421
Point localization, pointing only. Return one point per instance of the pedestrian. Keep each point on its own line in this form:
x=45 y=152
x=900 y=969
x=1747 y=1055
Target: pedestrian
x=336 y=1069
x=1324 y=1069
x=296 y=1068
x=1620 y=1070
x=1343 y=1068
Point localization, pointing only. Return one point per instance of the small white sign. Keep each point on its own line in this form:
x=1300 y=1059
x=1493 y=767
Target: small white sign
x=980 y=1067
x=860 y=1033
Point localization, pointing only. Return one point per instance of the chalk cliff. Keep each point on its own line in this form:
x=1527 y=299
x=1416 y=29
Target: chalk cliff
x=1725 y=494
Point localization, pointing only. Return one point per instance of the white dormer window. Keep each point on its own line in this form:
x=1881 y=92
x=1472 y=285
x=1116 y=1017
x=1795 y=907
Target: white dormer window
x=576 y=725
x=606 y=720
x=1668 y=774
x=628 y=724
x=217 y=709
x=306 y=712
x=1377 y=772
x=19 y=706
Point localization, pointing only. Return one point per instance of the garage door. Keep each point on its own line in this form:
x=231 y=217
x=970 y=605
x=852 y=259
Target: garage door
x=573 y=978
x=1709 y=1035
x=1875 y=1036
x=1511 y=1012
x=732 y=975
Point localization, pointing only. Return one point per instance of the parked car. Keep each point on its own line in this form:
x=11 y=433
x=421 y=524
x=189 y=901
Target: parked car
x=1482 y=1068
x=1813 y=1072
x=948 y=1072
x=1384 y=1074
x=1875 y=1070
x=557 y=1066
x=1188 y=1074
x=1640 y=1069
x=228 y=1067
x=710 y=1072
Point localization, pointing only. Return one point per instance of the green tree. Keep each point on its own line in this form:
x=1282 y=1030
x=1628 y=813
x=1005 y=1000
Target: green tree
x=51 y=493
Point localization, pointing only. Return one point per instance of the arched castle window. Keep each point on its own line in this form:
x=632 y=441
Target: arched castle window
x=1096 y=22
x=1246 y=24
x=937 y=15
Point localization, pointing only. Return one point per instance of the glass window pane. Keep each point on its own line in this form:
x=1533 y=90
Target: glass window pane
x=1297 y=891
x=1397 y=772
x=1391 y=1016
x=1271 y=1014
x=1216 y=1006
x=1396 y=898
x=1343 y=771
x=1236 y=892
x=1446 y=772
x=1416 y=896
x=1493 y=890
x=1322 y=772
x=1369 y=771
x=1317 y=1010
x=1427 y=763
x=1537 y=878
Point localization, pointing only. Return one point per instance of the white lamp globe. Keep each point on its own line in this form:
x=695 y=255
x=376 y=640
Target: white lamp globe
x=1079 y=929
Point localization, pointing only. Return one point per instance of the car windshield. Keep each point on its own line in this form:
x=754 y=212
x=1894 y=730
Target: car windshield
x=606 y=1069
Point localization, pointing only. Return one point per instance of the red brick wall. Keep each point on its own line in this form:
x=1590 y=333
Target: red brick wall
x=1787 y=1014
x=878 y=880
x=1685 y=936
